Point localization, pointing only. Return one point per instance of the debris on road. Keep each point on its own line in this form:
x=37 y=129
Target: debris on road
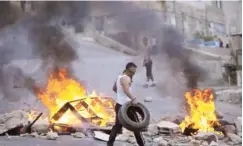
x=12 y=120
x=41 y=126
x=148 y=99
x=167 y=127
x=235 y=138
x=51 y=135
x=101 y=136
x=161 y=133
x=238 y=125
x=34 y=134
x=78 y=135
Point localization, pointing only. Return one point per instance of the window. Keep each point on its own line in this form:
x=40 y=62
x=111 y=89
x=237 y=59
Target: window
x=218 y=4
x=209 y=3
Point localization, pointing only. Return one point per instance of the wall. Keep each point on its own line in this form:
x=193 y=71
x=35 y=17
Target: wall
x=233 y=16
x=196 y=16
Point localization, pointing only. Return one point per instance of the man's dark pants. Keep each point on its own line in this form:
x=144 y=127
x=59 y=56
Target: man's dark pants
x=118 y=127
x=149 y=73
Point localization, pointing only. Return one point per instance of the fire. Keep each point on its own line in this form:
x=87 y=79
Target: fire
x=61 y=88
x=201 y=109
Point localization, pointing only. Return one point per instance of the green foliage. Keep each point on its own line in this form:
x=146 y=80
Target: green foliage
x=202 y=36
x=162 y=3
x=208 y=38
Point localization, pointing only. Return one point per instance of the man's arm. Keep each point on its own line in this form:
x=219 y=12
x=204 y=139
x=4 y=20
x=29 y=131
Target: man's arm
x=114 y=87
x=125 y=83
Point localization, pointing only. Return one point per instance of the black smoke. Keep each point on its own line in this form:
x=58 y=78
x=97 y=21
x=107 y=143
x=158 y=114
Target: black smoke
x=37 y=35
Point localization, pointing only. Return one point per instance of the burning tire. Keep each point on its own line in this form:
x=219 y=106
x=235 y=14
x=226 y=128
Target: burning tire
x=141 y=114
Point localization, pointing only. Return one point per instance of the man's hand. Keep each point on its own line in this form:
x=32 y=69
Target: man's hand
x=114 y=87
x=134 y=101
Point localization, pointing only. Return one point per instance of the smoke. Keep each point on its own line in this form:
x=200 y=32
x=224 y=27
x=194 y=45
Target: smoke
x=176 y=59
x=172 y=45
x=8 y=14
x=38 y=35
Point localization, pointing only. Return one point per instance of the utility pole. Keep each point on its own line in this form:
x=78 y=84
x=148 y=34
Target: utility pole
x=206 y=18
x=174 y=9
x=182 y=22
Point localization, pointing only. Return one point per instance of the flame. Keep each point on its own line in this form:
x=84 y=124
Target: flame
x=61 y=88
x=201 y=109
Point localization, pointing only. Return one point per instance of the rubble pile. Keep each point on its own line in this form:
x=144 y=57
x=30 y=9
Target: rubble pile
x=167 y=133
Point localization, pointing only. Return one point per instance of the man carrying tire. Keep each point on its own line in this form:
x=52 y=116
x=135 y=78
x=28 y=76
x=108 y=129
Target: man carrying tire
x=122 y=87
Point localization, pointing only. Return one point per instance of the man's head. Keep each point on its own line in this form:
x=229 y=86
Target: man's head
x=145 y=41
x=130 y=69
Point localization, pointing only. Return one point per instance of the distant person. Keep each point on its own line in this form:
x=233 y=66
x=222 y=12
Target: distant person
x=227 y=42
x=148 y=63
x=154 y=45
x=227 y=46
x=221 y=44
x=23 y=4
x=123 y=90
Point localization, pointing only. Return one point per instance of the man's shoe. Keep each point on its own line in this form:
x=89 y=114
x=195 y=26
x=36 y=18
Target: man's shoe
x=153 y=85
x=108 y=144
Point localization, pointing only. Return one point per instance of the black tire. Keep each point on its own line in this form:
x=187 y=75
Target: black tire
x=134 y=125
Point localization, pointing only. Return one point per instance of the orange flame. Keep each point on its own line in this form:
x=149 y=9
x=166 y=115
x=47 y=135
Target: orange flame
x=201 y=109
x=61 y=88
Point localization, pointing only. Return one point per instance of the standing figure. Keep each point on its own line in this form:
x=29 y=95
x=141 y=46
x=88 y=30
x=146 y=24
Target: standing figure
x=22 y=3
x=148 y=63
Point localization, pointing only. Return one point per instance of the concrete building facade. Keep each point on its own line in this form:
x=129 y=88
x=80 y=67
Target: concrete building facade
x=209 y=18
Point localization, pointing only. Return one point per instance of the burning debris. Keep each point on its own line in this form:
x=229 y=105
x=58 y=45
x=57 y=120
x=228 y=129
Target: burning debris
x=68 y=103
x=202 y=115
x=70 y=110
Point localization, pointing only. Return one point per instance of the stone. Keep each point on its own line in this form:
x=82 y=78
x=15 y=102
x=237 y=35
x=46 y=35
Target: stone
x=152 y=130
x=24 y=135
x=162 y=143
x=234 y=138
x=213 y=143
x=41 y=126
x=178 y=120
x=148 y=99
x=78 y=135
x=132 y=140
x=148 y=139
x=122 y=137
x=219 y=115
x=205 y=143
x=229 y=129
x=168 y=127
x=230 y=143
x=240 y=134
x=157 y=139
x=101 y=136
x=211 y=138
x=220 y=136
x=238 y=125
x=12 y=120
x=51 y=135
x=195 y=143
x=34 y=134
x=127 y=132
x=207 y=136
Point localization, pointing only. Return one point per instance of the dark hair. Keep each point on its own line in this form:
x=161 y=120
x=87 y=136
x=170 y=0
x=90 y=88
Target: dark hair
x=130 y=65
